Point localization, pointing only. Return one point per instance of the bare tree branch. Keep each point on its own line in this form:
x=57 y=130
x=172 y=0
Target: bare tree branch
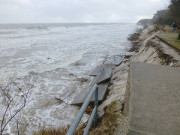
x=17 y=126
x=8 y=99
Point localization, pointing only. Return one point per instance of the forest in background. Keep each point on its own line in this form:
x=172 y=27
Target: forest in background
x=165 y=16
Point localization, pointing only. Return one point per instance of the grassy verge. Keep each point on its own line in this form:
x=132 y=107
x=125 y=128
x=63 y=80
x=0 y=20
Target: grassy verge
x=113 y=122
x=58 y=131
x=51 y=131
x=171 y=38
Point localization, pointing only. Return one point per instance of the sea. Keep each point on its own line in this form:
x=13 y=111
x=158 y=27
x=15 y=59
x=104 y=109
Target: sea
x=44 y=64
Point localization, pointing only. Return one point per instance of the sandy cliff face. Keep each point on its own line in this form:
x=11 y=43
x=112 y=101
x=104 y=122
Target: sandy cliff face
x=154 y=51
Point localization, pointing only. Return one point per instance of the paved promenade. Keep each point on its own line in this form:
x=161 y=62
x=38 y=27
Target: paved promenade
x=154 y=100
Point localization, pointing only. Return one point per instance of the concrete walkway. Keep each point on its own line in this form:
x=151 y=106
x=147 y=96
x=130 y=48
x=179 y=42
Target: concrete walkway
x=154 y=100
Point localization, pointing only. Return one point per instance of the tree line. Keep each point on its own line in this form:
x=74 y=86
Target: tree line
x=166 y=16
x=169 y=15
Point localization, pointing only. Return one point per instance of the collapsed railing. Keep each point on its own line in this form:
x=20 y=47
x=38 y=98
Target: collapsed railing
x=93 y=116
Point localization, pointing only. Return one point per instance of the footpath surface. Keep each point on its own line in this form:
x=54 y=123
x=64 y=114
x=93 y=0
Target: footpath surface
x=154 y=99
x=170 y=39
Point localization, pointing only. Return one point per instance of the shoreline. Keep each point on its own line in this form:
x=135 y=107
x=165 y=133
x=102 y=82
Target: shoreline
x=146 y=48
x=113 y=112
x=45 y=109
x=151 y=50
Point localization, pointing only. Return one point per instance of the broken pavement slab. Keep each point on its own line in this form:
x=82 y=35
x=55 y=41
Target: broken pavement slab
x=107 y=64
x=100 y=69
x=114 y=60
x=81 y=96
x=103 y=76
x=154 y=99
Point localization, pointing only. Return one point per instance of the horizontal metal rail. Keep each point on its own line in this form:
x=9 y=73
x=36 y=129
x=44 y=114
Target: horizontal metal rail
x=93 y=116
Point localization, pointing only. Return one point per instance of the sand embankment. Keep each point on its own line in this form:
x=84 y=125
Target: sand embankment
x=152 y=50
x=155 y=51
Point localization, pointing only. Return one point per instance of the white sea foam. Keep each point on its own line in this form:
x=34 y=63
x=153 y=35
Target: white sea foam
x=53 y=57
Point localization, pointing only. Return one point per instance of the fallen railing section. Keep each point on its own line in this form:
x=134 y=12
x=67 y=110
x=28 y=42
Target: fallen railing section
x=72 y=129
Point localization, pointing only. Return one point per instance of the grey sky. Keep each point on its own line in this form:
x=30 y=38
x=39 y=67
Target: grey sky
x=69 y=11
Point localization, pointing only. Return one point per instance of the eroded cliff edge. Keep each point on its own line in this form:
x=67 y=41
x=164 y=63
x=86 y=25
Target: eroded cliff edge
x=150 y=50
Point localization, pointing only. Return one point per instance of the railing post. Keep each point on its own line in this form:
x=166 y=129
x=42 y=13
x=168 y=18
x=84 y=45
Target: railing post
x=96 y=105
x=75 y=124
x=86 y=130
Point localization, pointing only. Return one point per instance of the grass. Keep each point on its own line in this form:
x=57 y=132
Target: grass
x=110 y=121
x=106 y=126
x=58 y=131
x=156 y=28
x=63 y=130
x=133 y=37
x=171 y=38
x=51 y=131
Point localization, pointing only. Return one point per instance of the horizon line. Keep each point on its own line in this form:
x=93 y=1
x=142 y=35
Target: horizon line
x=70 y=23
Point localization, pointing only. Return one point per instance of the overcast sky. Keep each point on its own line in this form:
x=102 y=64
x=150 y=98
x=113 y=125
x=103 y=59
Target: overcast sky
x=72 y=11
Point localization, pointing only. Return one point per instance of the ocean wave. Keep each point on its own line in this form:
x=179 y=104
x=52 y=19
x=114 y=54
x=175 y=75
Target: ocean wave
x=55 y=61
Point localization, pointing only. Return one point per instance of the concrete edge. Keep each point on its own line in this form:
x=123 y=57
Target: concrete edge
x=127 y=95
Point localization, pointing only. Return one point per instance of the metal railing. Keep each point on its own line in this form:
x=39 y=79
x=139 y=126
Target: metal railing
x=93 y=116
